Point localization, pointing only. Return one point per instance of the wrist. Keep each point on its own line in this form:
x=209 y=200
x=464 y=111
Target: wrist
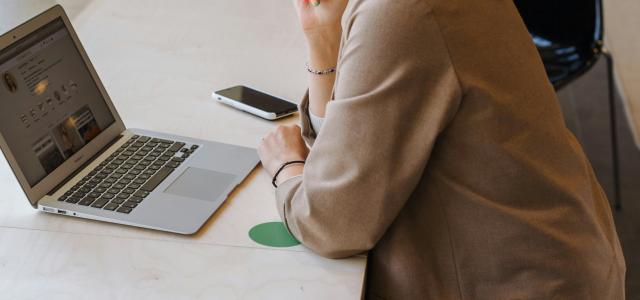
x=323 y=47
x=288 y=172
x=323 y=33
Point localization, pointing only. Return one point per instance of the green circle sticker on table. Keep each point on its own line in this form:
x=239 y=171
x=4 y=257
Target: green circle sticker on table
x=272 y=234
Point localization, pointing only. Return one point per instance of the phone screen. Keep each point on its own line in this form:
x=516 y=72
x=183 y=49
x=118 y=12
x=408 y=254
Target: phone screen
x=258 y=100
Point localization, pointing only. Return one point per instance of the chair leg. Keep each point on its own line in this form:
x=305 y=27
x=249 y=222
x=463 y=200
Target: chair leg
x=614 y=133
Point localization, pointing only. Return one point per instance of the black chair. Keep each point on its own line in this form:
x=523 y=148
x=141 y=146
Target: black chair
x=569 y=38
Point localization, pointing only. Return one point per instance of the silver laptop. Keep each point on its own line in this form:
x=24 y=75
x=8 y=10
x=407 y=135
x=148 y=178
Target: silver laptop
x=73 y=155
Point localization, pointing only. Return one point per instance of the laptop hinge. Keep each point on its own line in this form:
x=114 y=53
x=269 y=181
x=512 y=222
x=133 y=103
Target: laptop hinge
x=84 y=165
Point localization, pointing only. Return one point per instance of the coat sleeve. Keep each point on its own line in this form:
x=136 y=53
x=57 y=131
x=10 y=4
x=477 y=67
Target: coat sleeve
x=395 y=91
x=308 y=133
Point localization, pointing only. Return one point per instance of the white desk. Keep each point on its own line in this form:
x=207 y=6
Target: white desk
x=160 y=60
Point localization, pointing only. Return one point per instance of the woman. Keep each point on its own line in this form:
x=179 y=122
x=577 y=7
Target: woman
x=439 y=146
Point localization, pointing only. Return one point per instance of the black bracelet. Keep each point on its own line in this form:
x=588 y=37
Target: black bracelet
x=282 y=168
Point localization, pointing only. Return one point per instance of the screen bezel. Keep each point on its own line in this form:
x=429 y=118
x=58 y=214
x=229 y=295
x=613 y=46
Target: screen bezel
x=53 y=179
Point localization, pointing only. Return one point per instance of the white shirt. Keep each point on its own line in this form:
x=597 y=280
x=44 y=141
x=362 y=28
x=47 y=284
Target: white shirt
x=316 y=122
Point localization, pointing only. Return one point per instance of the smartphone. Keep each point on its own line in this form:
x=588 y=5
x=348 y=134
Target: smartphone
x=255 y=102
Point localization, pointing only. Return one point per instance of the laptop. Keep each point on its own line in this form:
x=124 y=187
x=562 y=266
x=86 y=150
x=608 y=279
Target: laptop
x=72 y=154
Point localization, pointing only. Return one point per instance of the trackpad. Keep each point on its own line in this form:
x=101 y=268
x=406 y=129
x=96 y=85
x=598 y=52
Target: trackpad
x=200 y=184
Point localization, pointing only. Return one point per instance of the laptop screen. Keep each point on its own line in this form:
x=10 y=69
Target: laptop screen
x=50 y=106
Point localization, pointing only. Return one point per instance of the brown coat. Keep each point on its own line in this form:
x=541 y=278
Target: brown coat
x=444 y=152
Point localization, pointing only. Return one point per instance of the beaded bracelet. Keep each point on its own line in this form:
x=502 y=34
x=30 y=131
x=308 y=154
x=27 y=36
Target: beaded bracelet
x=282 y=168
x=320 y=72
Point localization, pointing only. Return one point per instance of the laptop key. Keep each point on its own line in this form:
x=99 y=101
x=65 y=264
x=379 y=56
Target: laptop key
x=72 y=200
x=130 y=204
x=136 y=199
x=99 y=203
x=159 y=140
x=134 y=186
x=123 y=157
x=173 y=164
x=141 y=194
x=155 y=180
x=124 y=210
x=111 y=206
x=125 y=181
x=176 y=146
x=87 y=201
x=117 y=200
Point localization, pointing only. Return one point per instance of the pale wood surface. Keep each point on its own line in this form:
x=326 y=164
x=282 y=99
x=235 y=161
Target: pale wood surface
x=160 y=61
x=38 y=264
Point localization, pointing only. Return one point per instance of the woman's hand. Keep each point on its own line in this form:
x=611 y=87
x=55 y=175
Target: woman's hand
x=318 y=15
x=283 y=144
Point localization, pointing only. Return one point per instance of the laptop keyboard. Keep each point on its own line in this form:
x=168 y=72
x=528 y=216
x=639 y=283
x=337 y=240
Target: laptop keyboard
x=127 y=176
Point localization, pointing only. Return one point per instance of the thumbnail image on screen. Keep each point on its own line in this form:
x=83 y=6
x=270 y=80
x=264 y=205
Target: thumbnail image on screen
x=66 y=138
